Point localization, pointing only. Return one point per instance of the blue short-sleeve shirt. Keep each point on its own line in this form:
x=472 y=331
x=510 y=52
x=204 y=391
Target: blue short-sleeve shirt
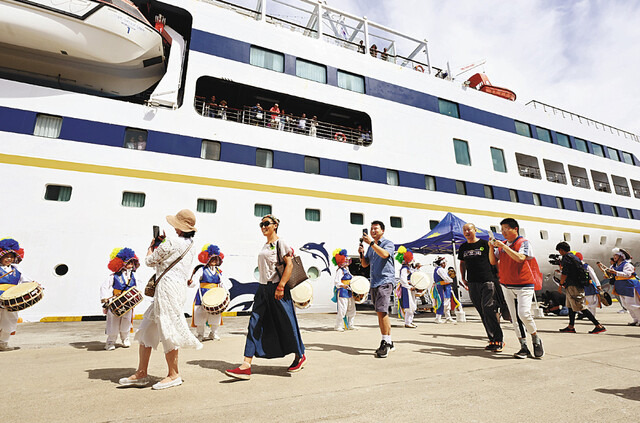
x=382 y=271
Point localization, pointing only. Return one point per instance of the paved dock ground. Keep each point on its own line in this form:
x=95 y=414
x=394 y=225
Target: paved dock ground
x=61 y=373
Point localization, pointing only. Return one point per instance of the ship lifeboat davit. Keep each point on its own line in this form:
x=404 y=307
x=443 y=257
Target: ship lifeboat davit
x=481 y=82
x=103 y=46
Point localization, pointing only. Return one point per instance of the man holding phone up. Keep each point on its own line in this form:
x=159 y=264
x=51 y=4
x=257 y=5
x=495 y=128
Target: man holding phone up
x=382 y=277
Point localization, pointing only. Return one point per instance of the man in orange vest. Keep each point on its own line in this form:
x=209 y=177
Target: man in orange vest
x=516 y=267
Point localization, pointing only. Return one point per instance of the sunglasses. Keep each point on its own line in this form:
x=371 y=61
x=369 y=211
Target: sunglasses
x=265 y=224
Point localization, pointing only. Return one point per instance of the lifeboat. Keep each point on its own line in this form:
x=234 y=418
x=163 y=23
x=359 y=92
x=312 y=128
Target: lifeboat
x=481 y=82
x=101 y=46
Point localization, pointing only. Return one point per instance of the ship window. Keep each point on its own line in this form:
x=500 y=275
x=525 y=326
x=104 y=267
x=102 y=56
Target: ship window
x=311 y=71
x=559 y=203
x=603 y=240
x=396 y=222
x=536 y=199
x=133 y=199
x=567 y=237
x=614 y=211
x=267 y=59
x=528 y=166
x=544 y=235
x=430 y=183
x=597 y=208
x=488 y=191
x=449 y=108
x=579 y=206
x=579 y=177
x=256 y=273
x=264 y=158
x=210 y=150
x=433 y=224
x=600 y=181
x=313 y=273
x=563 y=140
x=636 y=188
x=47 y=126
x=356 y=218
x=61 y=270
x=57 y=193
x=543 y=134
x=495 y=229
x=260 y=210
x=312 y=215
x=629 y=214
x=461 y=188
x=461 y=149
x=620 y=185
x=135 y=139
x=613 y=154
x=627 y=158
x=354 y=171
x=554 y=171
x=581 y=145
x=350 y=81
x=392 y=177
x=586 y=239
x=312 y=165
x=497 y=156
x=618 y=242
x=206 y=205
x=523 y=129
x=513 y=195
x=597 y=149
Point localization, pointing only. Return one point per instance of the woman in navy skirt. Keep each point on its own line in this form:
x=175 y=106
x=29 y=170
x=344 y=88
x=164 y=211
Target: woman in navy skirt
x=273 y=327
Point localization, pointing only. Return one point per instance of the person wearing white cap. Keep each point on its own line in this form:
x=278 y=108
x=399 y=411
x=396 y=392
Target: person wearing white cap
x=626 y=283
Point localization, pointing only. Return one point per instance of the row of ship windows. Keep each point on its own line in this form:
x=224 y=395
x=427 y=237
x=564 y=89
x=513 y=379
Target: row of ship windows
x=554 y=171
x=450 y=108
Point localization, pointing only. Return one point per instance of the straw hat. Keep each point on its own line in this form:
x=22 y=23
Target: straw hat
x=184 y=220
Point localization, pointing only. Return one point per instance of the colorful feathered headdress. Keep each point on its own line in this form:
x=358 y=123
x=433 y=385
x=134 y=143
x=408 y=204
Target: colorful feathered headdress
x=404 y=255
x=208 y=252
x=120 y=257
x=10 y=245
x=340 y=257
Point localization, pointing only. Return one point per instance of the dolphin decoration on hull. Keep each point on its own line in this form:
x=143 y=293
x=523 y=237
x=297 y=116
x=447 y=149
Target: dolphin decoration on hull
x=321 y=253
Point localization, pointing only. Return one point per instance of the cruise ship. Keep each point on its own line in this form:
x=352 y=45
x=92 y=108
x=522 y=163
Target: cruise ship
x=114 y=114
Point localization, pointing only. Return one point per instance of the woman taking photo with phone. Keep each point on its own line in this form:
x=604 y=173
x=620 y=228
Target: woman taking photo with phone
x=273 y=327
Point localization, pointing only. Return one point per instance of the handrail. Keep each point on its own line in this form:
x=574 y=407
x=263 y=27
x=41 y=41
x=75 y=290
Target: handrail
x=529 y=171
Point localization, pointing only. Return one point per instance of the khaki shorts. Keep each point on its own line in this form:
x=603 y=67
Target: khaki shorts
x=575 y=298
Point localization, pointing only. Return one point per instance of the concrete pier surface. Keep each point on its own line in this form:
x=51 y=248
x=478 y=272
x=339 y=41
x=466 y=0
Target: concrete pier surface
x=60 y=372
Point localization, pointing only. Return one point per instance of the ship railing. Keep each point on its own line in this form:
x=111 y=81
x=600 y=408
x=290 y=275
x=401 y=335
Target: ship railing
x=583 y=120
x=636 y=193
x=622 y=190
x=287 y=123
x=557 y=177
x=529 y=171
x=602 y=186
x=580 y=182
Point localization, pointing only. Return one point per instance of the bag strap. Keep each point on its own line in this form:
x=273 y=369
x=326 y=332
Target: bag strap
x=174 y=263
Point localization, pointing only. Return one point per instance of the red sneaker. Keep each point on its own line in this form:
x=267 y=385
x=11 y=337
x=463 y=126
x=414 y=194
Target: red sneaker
x=296 y=366
x=238 y=373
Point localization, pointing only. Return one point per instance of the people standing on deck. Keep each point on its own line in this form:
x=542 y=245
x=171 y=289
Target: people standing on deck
x=343 y=295
x=406 y=293
x=627 y=286
x=302 y=124
x=373 y=50
x=212 y=107
x=516 y=270
x=274 y=116
x=281 y=120
x=313 y=127
x=257 y=113
x=222 y=110
x=123 y=263
x=273 y=326
x=478 y=277
x=10 y=255
x=442 y=292
x=379 y=256
x=573 y=279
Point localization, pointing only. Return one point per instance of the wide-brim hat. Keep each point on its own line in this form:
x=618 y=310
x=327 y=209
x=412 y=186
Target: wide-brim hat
x=184 y=221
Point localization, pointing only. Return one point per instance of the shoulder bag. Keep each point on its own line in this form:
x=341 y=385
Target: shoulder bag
x=150 y=289
x=298 y=274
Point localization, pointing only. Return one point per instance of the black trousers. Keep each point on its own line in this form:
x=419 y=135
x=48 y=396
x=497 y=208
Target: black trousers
x=483 y=297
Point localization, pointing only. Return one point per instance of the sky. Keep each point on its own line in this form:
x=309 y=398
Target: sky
x=582 y=56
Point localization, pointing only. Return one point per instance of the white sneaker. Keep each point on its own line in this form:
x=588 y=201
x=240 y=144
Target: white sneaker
x=438 y=319
x=410 y=325
x=109 y=346
x=449 y=320
x=214 y=336
x=339 y=328
x=353 y=328
x=126 y=343
x=200 y=337
x=170 y=384
x=4 y=346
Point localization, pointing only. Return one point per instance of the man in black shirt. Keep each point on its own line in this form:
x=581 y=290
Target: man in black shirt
x=476 y=258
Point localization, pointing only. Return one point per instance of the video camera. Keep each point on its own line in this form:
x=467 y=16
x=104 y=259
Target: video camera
x=555 y=259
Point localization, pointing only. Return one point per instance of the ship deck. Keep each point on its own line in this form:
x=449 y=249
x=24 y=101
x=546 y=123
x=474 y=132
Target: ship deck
x=62 y=373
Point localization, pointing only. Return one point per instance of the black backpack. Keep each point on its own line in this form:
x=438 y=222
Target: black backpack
x=582 y=274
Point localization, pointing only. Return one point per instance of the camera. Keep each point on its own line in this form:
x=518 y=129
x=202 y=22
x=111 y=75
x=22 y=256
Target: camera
x=555 y=259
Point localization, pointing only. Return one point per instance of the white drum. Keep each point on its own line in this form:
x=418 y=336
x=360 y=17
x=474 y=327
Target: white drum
x=360 y=287
x=302 y=295
x=216 y=300
x=420 y=282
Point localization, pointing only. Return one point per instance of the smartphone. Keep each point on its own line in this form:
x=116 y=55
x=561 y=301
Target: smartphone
x=156 y=232
x=365 y=231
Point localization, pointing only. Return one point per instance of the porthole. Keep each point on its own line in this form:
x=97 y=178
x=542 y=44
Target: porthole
x=313 y=273
x=61 y=270
x=618 y=242
x=544 y=235
x=256 y=273
x=567 y=237
x=586 y=239
x=603 y=240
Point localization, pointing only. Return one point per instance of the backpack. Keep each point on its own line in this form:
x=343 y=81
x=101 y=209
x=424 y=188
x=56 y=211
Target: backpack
x=582 y=274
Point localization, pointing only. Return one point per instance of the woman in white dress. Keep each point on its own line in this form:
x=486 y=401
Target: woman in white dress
x=164 y=319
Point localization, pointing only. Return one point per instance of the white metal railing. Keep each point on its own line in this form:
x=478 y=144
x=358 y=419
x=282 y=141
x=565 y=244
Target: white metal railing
x=602 y=186
x=529 y=171
x=622 y=190
x=581 y=182
x=556 y=177
x=584 y=120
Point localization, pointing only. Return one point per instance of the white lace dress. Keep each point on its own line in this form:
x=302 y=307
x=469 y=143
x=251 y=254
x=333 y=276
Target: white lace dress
x=164 y=319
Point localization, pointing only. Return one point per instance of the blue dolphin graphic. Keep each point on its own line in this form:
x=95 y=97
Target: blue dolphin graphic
x=309 y=247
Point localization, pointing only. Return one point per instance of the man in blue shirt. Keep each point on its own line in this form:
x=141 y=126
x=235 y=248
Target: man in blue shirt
x=382 y=277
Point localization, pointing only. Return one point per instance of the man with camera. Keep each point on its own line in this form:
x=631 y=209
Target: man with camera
x=574 y=278
x=383 y=278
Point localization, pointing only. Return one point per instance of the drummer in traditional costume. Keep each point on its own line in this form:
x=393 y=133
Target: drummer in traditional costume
x=273 y=326
x=627 y=286
x=592 y=289
x=10 y=255
x=405 y=291
x=208 y=275
x=441 y=293
x=342 y=292
x=123 y=263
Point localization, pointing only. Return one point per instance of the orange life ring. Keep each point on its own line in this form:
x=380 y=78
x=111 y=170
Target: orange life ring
x=339 y=136
x=419 y=68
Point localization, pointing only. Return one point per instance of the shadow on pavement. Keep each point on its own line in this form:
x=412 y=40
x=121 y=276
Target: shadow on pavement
x=632 y=393
x=455 y=350
x=112 y=374
x=339 y=348
x=221 y=366
x=88 y=345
